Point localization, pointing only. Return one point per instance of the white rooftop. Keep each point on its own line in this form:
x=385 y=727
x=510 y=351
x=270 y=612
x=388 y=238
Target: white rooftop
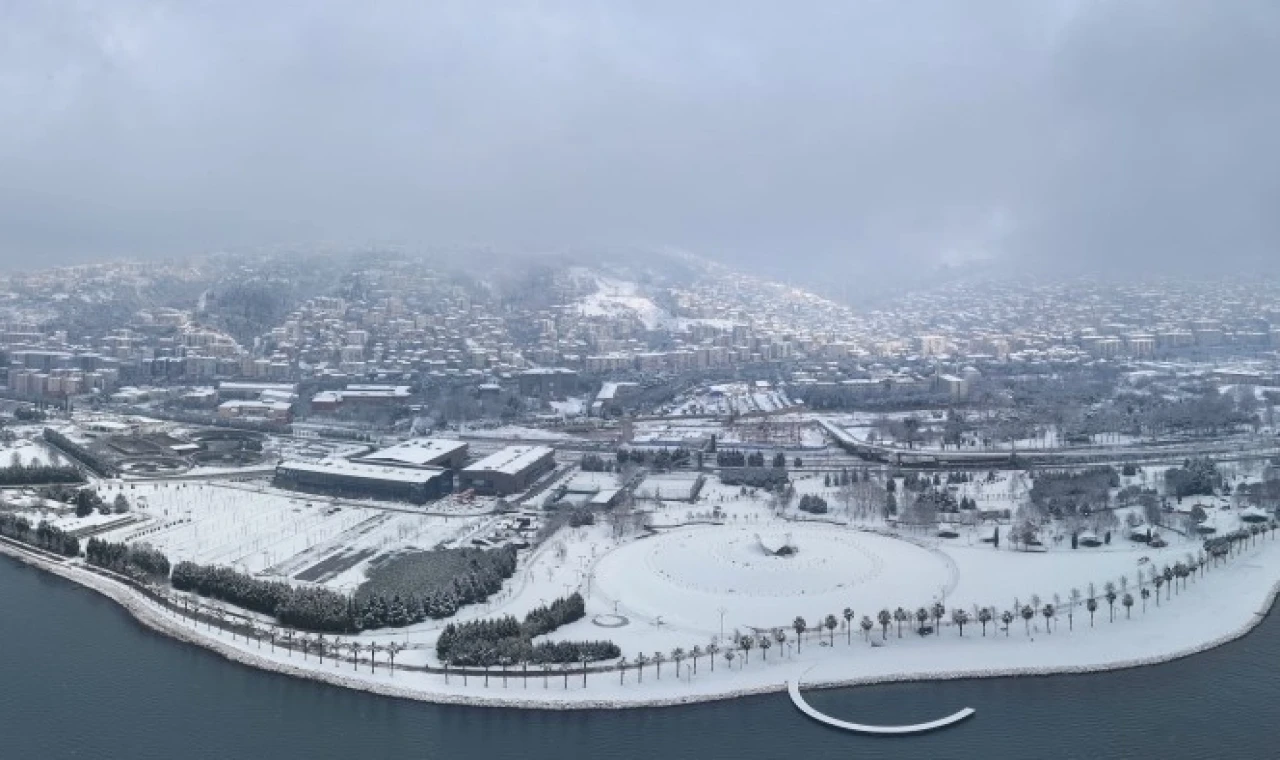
x=365 y=471
x=511 y=460
x=418 y=451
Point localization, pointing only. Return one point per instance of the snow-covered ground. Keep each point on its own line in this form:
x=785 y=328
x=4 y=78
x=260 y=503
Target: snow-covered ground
x=28 y=452
x=1223 y=604
x=618 y=298
x=257 y=529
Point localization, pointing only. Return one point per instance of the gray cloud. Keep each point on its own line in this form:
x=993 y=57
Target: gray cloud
x=872 y=138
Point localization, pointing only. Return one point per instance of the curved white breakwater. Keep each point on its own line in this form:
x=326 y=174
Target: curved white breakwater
x=153 y=617
x=793 y=688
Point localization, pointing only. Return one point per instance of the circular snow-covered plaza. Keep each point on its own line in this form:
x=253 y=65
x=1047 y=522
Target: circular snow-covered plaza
x=685 y=577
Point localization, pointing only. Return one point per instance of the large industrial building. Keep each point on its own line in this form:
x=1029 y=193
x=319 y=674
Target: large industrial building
x=421 y=452
x=511 y=470
x=340 y=477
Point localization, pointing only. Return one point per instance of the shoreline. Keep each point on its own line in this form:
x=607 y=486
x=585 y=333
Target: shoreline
x=146 y=614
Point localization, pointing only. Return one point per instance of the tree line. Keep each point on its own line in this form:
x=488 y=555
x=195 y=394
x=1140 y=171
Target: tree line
x=311 y=608
x=139 y=561
x=97 y=464
x=44 y=536
x=19 y=474
x=435 y=584
x=505 y=641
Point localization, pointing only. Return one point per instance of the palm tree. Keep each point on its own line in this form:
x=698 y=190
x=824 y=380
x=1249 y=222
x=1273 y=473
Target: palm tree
x=866 y=624
x=641 y=661
x=1049 y=611
x=1127 y=601
x=745 y=643
x=959 y=617
x=677 y=656
x=395 y=647
x=1092 y=606
x=984 y=617
x=1006 y=617
x=1159 y=579
x=884 y=618
x=658 y=659
x=848 y=624
x=1111 y=602
x=780 y=636
x=938 y=611
x=374 y=647
x=712 y=650
x=288 y=640
x=622 y=671
x=1075 y=600
x=799 y=625
x=922 y=616
x=831 y=624
x=901 y=616
x=728 y=657
x=354 y=648
x=1027 y=614
x=1168 y=578
x=1145 y=593
x=764 y=643
x=695 y=653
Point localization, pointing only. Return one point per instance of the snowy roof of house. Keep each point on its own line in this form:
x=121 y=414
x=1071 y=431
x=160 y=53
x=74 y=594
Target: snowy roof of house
x=511 y=460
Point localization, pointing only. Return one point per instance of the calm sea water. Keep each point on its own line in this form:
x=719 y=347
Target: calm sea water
x=79 y=678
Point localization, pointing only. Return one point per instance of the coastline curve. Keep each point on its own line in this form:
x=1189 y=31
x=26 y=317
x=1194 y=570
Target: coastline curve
x=152 y=618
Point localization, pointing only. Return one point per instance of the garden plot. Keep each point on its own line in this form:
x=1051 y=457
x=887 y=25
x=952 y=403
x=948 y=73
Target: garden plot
x=218 y=524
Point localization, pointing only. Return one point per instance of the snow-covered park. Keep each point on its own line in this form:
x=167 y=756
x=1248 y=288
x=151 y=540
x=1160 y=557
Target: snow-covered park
x=838 y=593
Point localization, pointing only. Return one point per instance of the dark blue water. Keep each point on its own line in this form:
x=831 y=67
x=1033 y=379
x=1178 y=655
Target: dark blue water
x=80 y=678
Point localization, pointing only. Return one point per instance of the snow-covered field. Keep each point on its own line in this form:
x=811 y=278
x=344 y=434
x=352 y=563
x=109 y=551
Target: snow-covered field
x=28 y=452
x=262 y=530
x=1223 y=604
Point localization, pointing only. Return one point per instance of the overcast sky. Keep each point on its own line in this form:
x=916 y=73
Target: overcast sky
x=874 y=137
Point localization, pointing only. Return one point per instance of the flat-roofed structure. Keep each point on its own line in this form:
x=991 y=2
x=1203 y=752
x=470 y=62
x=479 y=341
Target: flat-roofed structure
x=421 y=452
x=341 y=477
x=510 y=470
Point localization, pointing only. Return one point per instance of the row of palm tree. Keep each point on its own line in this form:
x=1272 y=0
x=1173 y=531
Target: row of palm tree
x=1170 y=579
x=287 y=637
